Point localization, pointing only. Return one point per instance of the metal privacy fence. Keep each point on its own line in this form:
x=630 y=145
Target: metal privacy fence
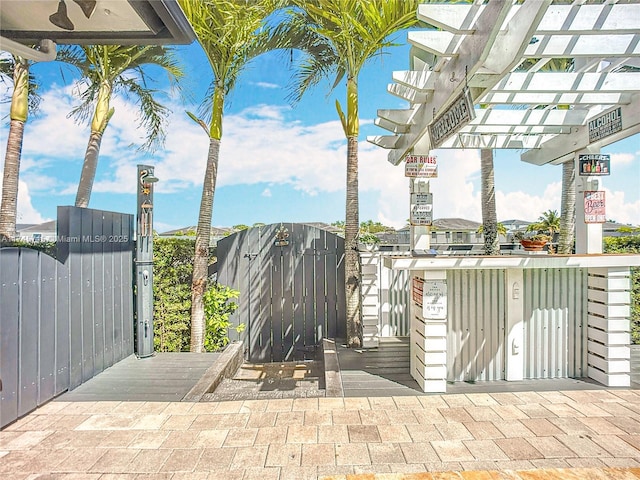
x=291 y=282
x=63 y=321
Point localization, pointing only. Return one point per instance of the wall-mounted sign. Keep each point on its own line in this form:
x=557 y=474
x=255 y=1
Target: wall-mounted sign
x=421 y=209
x=594 y=207
x=594 y=164
x=605 y=125
x=417 y=288
x=434 y=300
x=456 y=116
x=420 y=166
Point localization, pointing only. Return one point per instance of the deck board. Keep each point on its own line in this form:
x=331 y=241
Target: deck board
x=165 y=377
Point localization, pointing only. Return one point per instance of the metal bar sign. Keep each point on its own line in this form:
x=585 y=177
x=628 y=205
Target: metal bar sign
x=434 y=300
x=594 y=207
x=605 y=125
x=594 y=164
x=421 y=209
x=420 y=166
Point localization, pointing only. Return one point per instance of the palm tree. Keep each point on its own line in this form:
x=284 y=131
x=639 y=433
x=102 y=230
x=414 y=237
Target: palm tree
x=354 y=32
x=24 y=99
x=548 y=222
x=231 y=33
x=115 y=69
x=567 y=208
x=489 y=216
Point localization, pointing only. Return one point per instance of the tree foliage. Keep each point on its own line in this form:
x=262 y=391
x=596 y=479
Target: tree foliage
x=217 y=310
x=173 y=266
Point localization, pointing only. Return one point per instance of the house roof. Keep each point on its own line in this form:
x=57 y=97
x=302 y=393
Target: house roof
x=457 y=224
x=49 y=226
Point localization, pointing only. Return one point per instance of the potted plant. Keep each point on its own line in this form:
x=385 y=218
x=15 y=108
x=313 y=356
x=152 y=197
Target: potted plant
x=532 y=242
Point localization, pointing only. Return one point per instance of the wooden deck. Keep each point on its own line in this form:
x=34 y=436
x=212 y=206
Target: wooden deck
x=165 y=377
x=384 y=371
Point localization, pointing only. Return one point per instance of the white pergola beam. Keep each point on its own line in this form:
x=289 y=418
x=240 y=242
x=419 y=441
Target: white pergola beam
x=560 y=82
x=453 y=18
x=409 y=94
x=399 y=117
x=559 y=148
x=384 y=141
x=518 y=142
x=474 y=49
x=438 y=42
x=589 y=19
x=526 y=98
x=570 y=46
x=421 y=81
x=490 y=117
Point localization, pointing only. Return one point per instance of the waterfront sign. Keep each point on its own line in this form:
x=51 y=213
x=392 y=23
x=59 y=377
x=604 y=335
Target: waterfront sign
x=434 y=300
x=421 y=209
x=420 y=166
x=594 y=164
x=456 y=116
x=605 y=125
x=594 y=207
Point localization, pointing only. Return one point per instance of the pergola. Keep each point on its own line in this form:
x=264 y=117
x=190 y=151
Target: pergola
x=557 y=82
x=551 y=80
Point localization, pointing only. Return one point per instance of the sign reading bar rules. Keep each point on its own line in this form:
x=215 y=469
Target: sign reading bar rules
x=420 y=166
x=421 y=209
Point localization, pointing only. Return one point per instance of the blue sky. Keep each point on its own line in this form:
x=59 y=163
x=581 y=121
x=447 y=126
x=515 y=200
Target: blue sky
x=277 y=162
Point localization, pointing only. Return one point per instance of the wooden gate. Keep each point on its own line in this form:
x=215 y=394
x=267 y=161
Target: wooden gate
x=291 y=282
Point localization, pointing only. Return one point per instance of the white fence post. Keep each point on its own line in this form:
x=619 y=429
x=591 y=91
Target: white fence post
x=609 y=338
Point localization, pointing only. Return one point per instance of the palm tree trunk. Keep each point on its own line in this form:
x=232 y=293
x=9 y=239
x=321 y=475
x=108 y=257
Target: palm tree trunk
x=201 y=256
x=9 y=206
x=567 y=208
x=352 y=257
x=89 y=166
x=18 y=115
x=489 y=218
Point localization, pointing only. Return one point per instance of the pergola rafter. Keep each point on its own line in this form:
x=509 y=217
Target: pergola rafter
x=502 y=53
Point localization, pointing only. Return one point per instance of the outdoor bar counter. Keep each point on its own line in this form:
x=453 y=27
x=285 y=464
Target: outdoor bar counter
x=516 y=317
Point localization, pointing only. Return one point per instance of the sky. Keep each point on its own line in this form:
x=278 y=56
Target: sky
x=278 y=162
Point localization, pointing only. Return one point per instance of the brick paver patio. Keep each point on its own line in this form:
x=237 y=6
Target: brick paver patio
x=594 y=433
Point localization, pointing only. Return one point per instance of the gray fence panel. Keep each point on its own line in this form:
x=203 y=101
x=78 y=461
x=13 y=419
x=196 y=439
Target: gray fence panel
x=48 y=325
x=62 y=322
x=97 y=269
x=107 y=265
x=62 y=315
x=291 y=296
x=9 y=325
x=28 y=333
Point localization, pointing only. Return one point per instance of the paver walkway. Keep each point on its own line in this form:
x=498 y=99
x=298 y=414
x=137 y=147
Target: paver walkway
x=308 y=438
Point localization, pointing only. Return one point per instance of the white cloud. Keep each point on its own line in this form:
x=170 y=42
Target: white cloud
x=621 y=159
x=266 y=192
x=26 y=213
x=262 y=145
x=266 y=85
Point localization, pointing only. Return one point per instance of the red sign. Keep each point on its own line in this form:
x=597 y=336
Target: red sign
x=594 y=207
x=417 y=289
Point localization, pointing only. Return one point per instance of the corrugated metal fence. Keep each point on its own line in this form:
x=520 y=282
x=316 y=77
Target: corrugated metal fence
x=63 y=321
x=555 y=340
x=555 y=316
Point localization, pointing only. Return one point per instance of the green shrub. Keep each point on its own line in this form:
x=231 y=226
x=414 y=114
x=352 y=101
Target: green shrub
x=629 y=244
x=217 y=310
x=50 y=248
x=172 y=269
